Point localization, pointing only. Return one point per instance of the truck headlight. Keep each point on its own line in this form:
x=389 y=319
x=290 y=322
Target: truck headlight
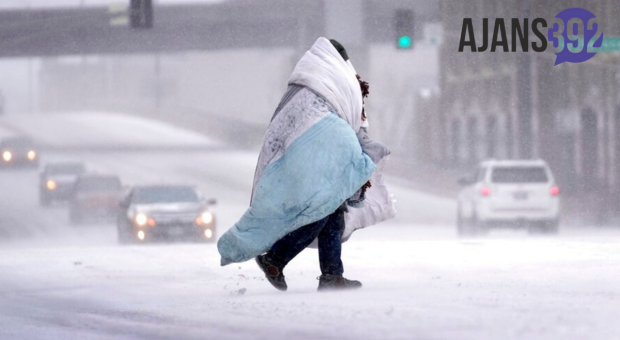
x=7 y=155
x=51 y=185
x=206 y=217
x=32 y=155
x=141 y=219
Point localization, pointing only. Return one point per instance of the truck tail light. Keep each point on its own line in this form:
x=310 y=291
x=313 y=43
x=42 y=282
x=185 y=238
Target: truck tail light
x=484 y=191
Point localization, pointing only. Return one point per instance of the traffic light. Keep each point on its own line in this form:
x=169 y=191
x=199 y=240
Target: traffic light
x=141 y=13
x=404 y=27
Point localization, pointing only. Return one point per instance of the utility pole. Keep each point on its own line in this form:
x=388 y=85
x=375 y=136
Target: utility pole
x=524 y=96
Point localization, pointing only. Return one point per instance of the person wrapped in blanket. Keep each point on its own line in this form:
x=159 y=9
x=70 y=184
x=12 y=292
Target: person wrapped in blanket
x=319 y=175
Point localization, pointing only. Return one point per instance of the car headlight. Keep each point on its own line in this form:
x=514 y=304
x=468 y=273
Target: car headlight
x=51 y=185
x=7 y=155
x=31 y=155
x=141 y=219
x=206 y=217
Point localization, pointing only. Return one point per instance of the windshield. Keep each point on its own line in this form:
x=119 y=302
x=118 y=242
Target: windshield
x=519 y=175
x=99 y=184
x=65 y=169
x=16 y=144
x=164 y=195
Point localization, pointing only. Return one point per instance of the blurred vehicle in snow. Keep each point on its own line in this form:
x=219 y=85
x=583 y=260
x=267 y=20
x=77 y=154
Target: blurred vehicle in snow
x=56 y=181
x=18 y=151
x=94 y=197
x=160 y=212
x=508 y=193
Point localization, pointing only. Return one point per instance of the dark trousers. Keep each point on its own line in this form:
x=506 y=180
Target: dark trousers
x=328 y=231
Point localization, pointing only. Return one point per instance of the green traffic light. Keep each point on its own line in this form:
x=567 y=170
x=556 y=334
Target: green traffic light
x=404 y=41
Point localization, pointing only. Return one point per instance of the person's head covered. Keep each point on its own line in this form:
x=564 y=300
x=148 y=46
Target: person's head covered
x=327 y=70
x=341 y=50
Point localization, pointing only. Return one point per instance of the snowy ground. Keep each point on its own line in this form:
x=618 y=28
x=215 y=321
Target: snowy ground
x=59 y=281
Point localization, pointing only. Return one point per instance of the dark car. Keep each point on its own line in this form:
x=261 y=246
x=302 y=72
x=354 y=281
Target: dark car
x=95 y=197
x=160 y=212
x=18 y=151
x=57 y=180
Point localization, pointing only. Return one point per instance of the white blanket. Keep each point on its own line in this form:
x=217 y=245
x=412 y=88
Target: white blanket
x=324 y=71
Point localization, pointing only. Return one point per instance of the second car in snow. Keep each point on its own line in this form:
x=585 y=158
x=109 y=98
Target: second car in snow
x=57 y=180
x=95 y=197
x=512 y=193
x=18 y=151
x=159 y=212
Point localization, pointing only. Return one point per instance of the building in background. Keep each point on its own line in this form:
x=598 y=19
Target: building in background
x=519 y=105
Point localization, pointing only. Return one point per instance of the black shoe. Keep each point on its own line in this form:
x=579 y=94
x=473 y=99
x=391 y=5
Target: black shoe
x=272 y=272
x=337 y=282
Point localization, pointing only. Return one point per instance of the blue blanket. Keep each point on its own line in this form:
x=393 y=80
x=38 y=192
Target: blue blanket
x=321 y=169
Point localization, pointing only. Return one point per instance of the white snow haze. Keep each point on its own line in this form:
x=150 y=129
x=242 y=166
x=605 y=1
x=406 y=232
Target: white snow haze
x=186 y=103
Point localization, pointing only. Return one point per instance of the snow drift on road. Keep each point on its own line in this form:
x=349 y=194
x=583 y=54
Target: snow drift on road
x=103 y=130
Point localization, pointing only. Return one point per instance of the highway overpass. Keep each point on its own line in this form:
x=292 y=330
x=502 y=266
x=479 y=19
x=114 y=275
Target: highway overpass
x=226 y=25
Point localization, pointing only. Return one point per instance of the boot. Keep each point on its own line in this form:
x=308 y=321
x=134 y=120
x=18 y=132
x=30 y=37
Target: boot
x=337 y=282
x=272 y=272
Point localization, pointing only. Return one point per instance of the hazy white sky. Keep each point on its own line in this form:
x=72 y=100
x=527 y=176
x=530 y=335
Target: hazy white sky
x=72 y=3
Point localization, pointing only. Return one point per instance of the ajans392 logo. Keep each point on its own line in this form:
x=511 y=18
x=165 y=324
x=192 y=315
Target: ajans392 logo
x=570 y=45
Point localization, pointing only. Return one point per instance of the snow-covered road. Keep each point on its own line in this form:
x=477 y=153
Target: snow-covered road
x=419 y=283
x=59 y=281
